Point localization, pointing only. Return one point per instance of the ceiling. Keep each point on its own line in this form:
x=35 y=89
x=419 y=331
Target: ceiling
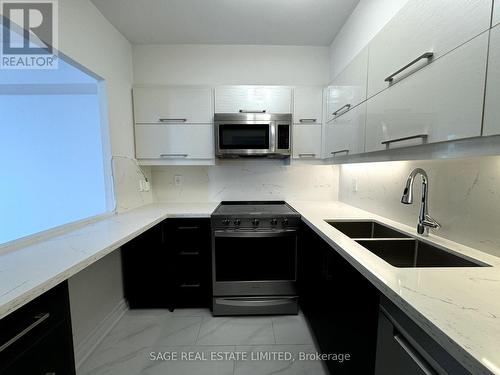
x=271 y=22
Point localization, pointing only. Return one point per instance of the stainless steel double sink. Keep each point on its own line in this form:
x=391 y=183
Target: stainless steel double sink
x=398 y=248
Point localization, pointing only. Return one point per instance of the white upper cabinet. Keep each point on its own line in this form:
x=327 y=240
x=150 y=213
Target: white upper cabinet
x=345 y=135
x=496 y=12
x=169 y=142
x=442 y=102
x=172 y=104
x=492 y=105
x=348 y=89
x=423 y=27
x=269 y=99
x=306 y=141
x=308 y=105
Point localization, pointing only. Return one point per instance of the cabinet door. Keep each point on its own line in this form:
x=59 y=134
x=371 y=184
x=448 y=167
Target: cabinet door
x=174 y=141
x=173 y=104
x=423 y=26
x=346 y=134
x=492 y=109
x=349 y=87
x=496 y=13
x=306 y=141
x=271 y=99
x=440 y=103
x=307 y=105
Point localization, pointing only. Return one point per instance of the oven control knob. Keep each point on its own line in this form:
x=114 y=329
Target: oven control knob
x=285 y=221
x=225 y=221
x=255 y=222
x=274 y=222
x=237 y=222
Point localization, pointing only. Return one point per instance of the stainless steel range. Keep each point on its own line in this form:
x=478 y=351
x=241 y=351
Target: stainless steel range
x=254 y=258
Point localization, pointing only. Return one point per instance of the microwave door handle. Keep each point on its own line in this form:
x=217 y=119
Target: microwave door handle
x=272 y=137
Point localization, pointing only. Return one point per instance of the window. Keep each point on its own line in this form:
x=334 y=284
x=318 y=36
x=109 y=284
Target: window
x=54 y=149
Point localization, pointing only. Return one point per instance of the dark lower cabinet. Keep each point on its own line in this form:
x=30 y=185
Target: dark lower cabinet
x=169 y=266
x=37 y=338
x=340 y=305
x=403 y=348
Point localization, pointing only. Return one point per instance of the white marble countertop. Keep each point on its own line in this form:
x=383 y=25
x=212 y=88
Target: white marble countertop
x=28 y=271
x=458 y=307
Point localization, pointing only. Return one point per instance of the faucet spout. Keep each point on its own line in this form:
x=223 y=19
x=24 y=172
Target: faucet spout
x=425 y=221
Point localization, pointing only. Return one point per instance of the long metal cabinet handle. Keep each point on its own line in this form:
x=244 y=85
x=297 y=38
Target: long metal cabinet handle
x=311 y=155
x=415 y=356
x=389 y=141
x=308 y=120
x=253 y=302
x=173 y=155
x=347 y=107
x=39 y=320
x=252 y=111
x=172 y=119
x=339 y=151
x=426 y=55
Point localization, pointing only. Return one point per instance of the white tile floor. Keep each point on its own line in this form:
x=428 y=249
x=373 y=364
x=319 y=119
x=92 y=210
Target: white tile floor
x=128 y=347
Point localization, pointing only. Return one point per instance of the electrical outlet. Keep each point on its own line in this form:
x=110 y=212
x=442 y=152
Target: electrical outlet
x=144 y=185
x=177 y=180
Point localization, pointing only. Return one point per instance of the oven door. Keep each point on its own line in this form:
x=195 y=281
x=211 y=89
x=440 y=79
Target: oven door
x=249 y=138
x=254 y=263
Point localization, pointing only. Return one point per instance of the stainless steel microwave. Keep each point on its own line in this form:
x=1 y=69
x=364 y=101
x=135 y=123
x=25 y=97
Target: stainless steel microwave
x=252 y=135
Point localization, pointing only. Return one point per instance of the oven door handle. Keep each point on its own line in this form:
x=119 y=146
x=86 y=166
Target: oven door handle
x=254 y=234
x=254 y=302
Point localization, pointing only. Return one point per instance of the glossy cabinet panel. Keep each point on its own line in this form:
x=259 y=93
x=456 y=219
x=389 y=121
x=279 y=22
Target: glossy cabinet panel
x=307 y=105
x=492 y=107
x=174 y=141
x=440 y=103
x=423 y=26
x=271 y=99
x=348 y=89
x=306 y=141
x=496 y=13
x=346 y=134
x=173 y=104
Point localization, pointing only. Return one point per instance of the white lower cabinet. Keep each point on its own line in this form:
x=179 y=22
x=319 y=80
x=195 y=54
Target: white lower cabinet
x=345 y=135
x=492 y=107
x=306 y=141
x=441 y=102
x=173 y=142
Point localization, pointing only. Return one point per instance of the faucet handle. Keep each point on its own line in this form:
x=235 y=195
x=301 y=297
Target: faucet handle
x=430 y=222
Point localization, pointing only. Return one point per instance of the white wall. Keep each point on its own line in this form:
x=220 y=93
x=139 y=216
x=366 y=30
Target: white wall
x=88 y=38
x=367 y=19
x=264 y=180
x=230 y=64
x=464 y=196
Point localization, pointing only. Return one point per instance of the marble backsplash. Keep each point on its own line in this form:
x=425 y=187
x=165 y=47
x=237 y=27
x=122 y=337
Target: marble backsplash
x=464 y=196
x=126 y=177
x=246 y=181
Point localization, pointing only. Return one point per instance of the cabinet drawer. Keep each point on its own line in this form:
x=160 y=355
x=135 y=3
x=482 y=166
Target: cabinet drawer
x=442 y=102
x=174 y=141
x=307 y=105
x=271 y=99
x=346 y=134
x=349 y=87
x=423 y=26
x=306 y=141
x=492 y=109
x=173 y=104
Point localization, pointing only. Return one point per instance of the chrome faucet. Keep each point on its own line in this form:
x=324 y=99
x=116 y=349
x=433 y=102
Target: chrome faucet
x=425 y=221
